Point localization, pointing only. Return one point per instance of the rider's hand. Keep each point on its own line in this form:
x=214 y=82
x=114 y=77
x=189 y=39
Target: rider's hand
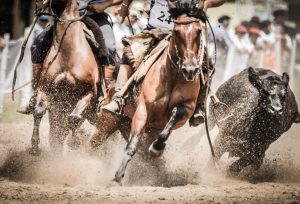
x=97 y=7
x=123 y=12
x=204 y=5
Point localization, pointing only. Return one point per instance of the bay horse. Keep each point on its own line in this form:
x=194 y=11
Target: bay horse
x=69 y=79
x=168 y=94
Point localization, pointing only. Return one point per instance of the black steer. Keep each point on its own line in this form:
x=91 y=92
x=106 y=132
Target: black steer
x=264 y=107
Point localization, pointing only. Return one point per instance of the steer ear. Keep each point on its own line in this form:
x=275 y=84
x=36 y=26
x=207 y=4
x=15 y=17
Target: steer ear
x=297 y=119
x=285 y=78
x=254 y=78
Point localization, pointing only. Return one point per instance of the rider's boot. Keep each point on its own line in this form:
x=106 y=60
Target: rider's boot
x=32 y=102
x=117 y=103
x=109 y=75
x=198 y=116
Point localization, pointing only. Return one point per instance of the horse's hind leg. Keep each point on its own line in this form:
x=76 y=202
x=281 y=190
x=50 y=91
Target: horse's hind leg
x=38 y=113
x=76 y=118
x=138 y=124
x=158 y=146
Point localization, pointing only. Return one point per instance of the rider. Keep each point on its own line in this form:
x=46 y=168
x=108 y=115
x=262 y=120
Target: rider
x=159 y=17
x=41 y=45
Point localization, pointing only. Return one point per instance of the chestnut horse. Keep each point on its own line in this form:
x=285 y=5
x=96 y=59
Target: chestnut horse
x=168 y=93
x=69 y=80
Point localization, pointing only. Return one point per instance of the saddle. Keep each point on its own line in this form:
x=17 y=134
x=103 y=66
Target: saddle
x=138 y=48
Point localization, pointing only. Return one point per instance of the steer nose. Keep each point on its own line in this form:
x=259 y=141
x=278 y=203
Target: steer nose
x=277 y=109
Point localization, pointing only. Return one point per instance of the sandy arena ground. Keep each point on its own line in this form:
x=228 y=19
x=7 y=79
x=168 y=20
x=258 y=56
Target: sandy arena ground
x=79 y=177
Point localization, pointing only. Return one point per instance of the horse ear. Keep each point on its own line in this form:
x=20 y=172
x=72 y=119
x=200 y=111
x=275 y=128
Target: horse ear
x=254 y=78
x=285 y=78
x=297 y=119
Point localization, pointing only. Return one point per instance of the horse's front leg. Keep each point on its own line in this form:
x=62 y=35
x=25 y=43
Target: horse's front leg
x=139 y=121
x=76 y=119
x=38 y=113
x=158 y=146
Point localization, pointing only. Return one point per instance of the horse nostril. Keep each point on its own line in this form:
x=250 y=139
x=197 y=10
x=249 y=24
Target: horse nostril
x=185 y=72
x=197 y=70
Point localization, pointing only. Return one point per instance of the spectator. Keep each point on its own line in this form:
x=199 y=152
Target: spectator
x=254 y=34
x=223 y=43
x=255 y=22
x=239 y=53
x=266 y=44
x=221 y=33
x=280 y=16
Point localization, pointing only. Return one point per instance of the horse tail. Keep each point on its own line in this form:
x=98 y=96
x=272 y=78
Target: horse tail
x=93 y=26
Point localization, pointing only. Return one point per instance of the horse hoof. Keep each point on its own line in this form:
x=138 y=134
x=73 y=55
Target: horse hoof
x=155 y=152
x=118 y=177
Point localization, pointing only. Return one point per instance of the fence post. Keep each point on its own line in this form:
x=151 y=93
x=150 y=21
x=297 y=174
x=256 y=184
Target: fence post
x=3 y=68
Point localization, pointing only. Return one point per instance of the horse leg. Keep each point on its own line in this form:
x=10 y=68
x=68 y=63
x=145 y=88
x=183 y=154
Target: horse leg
x=158 y=146
x=38 y=113
x=138 y=124
x=76 y=119
x=58 y=130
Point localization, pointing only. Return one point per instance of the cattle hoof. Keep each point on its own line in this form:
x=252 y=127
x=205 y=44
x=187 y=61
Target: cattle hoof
x=155 y=152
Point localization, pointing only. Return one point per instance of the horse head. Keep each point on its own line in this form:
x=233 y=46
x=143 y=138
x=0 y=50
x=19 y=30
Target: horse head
x=59 y=6
x=186 y=42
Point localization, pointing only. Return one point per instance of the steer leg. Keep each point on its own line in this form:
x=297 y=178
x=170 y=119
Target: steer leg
x=38 y=113
x=138 y=125
x=76 y=119
x=158 y=146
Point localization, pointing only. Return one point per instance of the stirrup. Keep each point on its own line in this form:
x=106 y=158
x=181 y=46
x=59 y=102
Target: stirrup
x=197 y=119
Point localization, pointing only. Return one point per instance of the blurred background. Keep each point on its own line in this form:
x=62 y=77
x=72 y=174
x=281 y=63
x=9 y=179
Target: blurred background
x=256 y=33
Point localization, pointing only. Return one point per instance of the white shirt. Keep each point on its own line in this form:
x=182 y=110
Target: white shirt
x=160 y=16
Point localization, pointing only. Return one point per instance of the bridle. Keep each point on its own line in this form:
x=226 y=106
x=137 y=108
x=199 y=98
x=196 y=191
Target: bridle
x=62 y=21
x=177 y=64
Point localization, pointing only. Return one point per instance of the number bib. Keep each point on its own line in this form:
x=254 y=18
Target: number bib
x=159 y=15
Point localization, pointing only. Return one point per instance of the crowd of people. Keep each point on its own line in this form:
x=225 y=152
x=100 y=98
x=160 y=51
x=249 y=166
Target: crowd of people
x=256 y=43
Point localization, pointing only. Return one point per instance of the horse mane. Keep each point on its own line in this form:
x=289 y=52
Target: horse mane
x=187 y=7
x=93 y=26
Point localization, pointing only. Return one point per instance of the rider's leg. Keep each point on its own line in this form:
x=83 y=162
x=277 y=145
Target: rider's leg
x=117 y=103
x=198 y=116
x=108 y=35
x=39 y=51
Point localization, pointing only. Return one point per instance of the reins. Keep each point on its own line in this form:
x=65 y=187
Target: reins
x=206 y=80
x=65 y=31
x=24 y=44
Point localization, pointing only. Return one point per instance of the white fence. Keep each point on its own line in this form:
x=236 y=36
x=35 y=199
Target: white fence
x=9 y=57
